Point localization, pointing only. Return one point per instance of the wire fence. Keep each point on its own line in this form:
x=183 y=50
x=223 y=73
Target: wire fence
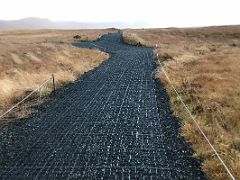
x=195 y=121
x=52 y=79
x=33 y=97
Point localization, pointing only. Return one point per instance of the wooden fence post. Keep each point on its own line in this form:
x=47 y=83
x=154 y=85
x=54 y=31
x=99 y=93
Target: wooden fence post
x=53 y=80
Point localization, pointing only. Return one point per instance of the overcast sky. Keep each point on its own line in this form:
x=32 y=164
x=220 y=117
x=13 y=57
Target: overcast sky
x=156 y=13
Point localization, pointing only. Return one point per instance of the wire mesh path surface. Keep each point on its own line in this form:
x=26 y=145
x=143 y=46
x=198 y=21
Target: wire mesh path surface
x=112 y=123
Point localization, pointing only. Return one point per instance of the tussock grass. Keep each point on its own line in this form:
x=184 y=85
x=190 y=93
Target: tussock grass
x=205 y=68
x=134 y=39
x=29 y=57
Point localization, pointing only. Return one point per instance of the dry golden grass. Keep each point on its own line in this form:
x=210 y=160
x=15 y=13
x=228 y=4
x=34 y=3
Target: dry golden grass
x=29 y=57
x=206 y=71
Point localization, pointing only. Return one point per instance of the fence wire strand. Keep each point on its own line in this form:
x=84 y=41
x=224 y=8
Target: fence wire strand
x=194 y=120
x=26 y=97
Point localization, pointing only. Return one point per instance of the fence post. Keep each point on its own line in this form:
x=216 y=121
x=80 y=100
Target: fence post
x=53 y=81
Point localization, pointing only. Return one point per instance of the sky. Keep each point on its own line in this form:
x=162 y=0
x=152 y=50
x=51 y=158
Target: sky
x=155 y=13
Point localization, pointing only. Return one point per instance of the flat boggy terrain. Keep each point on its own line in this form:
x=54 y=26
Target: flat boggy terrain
x=29 y=57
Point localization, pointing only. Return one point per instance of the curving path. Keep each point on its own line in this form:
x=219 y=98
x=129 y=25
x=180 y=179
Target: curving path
x=112 y=123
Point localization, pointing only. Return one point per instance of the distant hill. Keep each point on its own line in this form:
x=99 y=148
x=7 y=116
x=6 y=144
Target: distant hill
x=41 y=23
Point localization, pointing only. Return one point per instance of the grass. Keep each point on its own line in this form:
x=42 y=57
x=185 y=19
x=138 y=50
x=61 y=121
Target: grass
x=204 y=65
x=29 y=57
